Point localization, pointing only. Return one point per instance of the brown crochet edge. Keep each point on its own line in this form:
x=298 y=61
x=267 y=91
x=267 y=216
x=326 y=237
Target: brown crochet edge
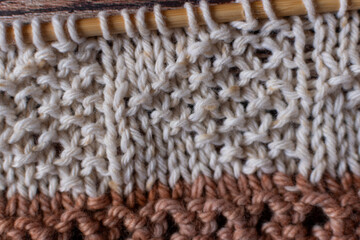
x=269 y=207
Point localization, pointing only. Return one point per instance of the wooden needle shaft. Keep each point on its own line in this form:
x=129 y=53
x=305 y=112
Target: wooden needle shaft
x=221 y=13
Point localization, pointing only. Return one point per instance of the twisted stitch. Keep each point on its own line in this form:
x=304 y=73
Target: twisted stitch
x=192 y=23
x=104 y=25
x=160 y=22
x=19 y=39
x=128 y=23
x=310 y=8
x=71 y=26
x=251 y=22
x=3 y=41
x=269 y=10
x=36 y=34
x=140 y=22
x=63 y=44
x=343 y=8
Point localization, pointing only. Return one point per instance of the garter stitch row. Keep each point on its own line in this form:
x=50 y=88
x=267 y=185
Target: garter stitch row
x=245 y=130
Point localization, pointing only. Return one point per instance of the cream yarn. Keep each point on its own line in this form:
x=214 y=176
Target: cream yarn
x=81 y=115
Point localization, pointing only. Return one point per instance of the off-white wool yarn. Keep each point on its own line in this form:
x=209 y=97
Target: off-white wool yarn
x=82 y=115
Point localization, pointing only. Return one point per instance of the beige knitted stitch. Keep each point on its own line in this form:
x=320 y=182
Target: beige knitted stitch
x=80 y=115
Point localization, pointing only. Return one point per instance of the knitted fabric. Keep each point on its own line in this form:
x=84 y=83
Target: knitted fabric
x=245 y=130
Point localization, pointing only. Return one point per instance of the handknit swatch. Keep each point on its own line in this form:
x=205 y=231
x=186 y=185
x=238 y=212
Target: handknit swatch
x=244 y=130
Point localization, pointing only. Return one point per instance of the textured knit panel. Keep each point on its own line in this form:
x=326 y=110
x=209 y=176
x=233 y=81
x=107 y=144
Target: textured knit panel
x=123 y=112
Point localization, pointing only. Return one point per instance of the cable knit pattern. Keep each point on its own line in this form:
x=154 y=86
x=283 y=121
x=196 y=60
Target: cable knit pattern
x=243 y=130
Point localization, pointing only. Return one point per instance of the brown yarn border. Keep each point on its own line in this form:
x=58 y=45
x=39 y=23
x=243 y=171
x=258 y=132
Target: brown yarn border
x=268 y=207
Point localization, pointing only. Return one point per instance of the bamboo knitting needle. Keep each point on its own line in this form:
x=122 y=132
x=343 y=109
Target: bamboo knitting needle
x=221 y=13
